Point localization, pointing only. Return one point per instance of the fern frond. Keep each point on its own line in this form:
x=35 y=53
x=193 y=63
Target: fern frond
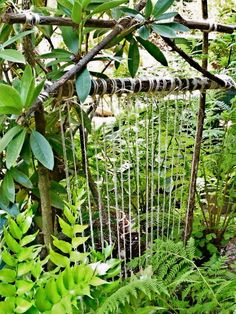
x=133 y=289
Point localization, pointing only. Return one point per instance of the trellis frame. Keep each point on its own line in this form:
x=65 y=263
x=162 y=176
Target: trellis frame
x=118 y=27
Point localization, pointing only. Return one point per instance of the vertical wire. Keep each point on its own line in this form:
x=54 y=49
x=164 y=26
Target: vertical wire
x=152 y=168
x=184 y=163
x=100 y=209
x=87 y=180
x=115 y=180
x=122 y=183
x=179 y=141
x=75 y=168
x=146 y=170
x=129 y=185
x=137 y=174
x=164 y=165
x=159 y=169
x=172 y=172
x=68 y=188
x=107 y=186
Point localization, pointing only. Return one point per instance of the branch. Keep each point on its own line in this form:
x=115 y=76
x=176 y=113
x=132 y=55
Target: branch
x=193 y=63
x=205 y=26
x=13 y=18
x=125 y=23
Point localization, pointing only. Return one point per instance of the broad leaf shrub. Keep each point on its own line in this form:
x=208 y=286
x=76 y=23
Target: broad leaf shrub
x=25 y=284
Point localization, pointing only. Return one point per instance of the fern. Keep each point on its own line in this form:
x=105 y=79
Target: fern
x=122 y=296
x=195 y=289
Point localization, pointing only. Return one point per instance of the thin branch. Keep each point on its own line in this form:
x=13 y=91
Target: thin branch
x=193 y=63
x=15 y=18
x=205 y=26
x=125 y=23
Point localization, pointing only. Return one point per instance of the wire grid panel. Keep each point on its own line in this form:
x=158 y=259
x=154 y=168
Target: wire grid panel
x=137 y=170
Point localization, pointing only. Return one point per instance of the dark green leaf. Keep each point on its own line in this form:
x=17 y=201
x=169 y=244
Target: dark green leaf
x=107 y=6
x=161 y=6
x=12 y=55
x=37 y=91
x=154 y=51
x=144 y=32
x=6 y=139
x=27 y=87
x=148 y=9
x=128 y=11
x=16 y=37
x=10 y=101
x=164 y=30
x=83 y=85
x=168 y=15
x=70 y=38
x=21 y=178
x=177 y=27
x=8 y=187
x=14 y=149
x=42 y=150
x=133 y=58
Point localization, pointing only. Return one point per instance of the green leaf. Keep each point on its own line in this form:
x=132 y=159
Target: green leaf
x=154 y=51
x=78 y=241
x=14 y=149
x=11 y=242
x=144 y=32
x=22 y=305
x=10 y=101
x=7 y=306
x=8 y=187
x=63 y=246
x=84 y=118
x=21 y=178
x=164 y=30
x=28 y=239
x=76 y=14
x=107 y=6
x=6 y=139
x=27 y=87
x=161 y=6
x=177 y=27
x=7 y=290
x=83 y=85
x=8 y=258
x=41 y=300
x=167 y=15
x=24 y=268
x=95 y=281
x=42 y=150
x=79 y=228
x=37 y=91
x=23 y=286
x=14 y=229
x=66 y=3
x=12 y=55
x=70 y=38
x=66 y=228
x=16 y=37
x=7 y=275
x=133 y=58
x=148 y=9
x=59 y=259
